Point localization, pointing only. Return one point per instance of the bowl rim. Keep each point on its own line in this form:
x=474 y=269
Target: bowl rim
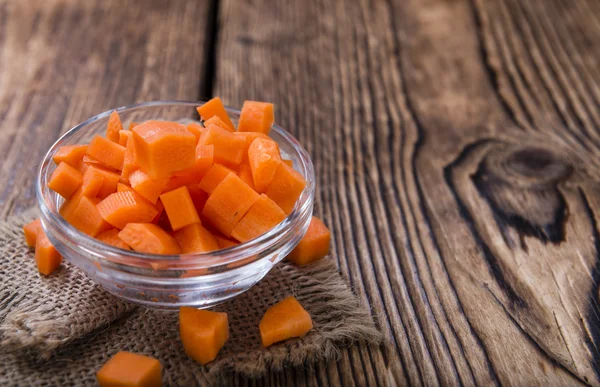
x=220 y=257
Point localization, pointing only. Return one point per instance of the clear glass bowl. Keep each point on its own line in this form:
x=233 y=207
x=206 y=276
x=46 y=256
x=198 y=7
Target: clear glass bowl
x=170 y=281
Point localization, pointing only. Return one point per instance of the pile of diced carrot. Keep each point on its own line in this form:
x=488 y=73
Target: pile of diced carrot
x=162 y=187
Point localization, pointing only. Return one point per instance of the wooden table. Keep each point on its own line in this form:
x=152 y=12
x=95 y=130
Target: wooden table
x=456 y=145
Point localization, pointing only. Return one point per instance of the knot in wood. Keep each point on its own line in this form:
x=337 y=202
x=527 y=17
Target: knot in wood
x=527 y=166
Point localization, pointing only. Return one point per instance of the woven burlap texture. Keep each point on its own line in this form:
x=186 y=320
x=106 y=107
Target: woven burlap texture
x=59 y=330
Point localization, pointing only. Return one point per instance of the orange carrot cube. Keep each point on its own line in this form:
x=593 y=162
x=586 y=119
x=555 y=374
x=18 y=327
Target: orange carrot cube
x=126 y=369
x=228 y=203
x=179 y=208
x=124 y=136
x=149 y=238
x=146 y=186
x=65 y=180
x=109 y=153
x=199 y=197
x=47 y=258
x=264 y=159
x=314 y=245
x=86 y=217
x=196 y=129
x=129 y=164
x=121 y=187
x=260 y=218
x=256 y=117
x=214 y=177
x=111 y=237
x=215 y=107
x=121 y=208
x=245 y=173
x=70 y=154
x=215 y=120
x=284 y=320
x=113 y=127
x=228 y=148
x=31 y=230
x=162 y=148
x=286 y=187
x=203 y=333
x=99 y=182
x=205 y=155
x=194 y=238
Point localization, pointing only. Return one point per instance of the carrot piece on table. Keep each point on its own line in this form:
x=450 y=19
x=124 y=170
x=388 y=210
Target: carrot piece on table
x=314 y=245
x=284 y=320
x=124 y=136
x=162 y=148
x=129 y=164
x=110 y=237
x=256 y=117
x=215 y=120
x=31 y=230
x=113 y=127
x=260 y=218
x=194 y=238
x=146 y=186
x=215 y=107
x=245 y=173
x=121 y=208
x=47 y=258
x=214 y=177
x=225 y=242
x=70 y=154
x=228 y=148
x=179 y=208
x=203 y=333
x=228 y=203
x=126 y=369
x=149 y=238
x=205 y=155
x=264 y=159
x=107 y=152
x=286 y=187
x=65 y=180
x=196 y=129
x=289 y=163
x=86 y=217
x=199 y=197
x=99 y=182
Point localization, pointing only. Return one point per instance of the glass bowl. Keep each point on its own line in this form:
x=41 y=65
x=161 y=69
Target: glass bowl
x=169 y=281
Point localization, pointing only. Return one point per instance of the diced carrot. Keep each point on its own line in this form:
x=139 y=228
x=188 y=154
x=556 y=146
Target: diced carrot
x=289 y=163
x=245 y=173
x=146 y=186
x=286 y=187
x=65 y=180
x=149 y=238
x=160 y=208
x=228 y=203
x=162 y=148
x=110 y=237
x=99 y=182
x=121 y=208
x=47 y=258
x=203 y=333
x=70 y=205
x=314 y=245
x=205 y=155
x=113 y=127
x=121 y=187
x=179 y=208
x=126 y=369
x=132 y=125
x=107 y=152
x=215 y=107
x=31 y=230
x=124 y=136
x=86 y=217
x=228 y=148
x=249 y=137
x=70 y=154
x=196 y=129
x=129 y=164
x=284 y=320
x=256 y=117
x=264 y=159
x=214 y=177
x=199 y=197
x=225 y=242
x=195 y=239
x=215 y=120
x=260 y=218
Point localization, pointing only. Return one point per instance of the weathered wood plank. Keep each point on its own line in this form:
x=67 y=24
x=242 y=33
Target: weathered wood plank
x=457 y=163
x=62 y=61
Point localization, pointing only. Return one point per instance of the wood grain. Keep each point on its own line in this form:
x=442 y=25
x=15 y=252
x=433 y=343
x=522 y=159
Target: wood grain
x=456 y=148
x=63 y=61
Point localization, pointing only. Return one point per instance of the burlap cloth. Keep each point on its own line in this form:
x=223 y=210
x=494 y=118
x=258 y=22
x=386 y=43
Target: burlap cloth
x=59 y=330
